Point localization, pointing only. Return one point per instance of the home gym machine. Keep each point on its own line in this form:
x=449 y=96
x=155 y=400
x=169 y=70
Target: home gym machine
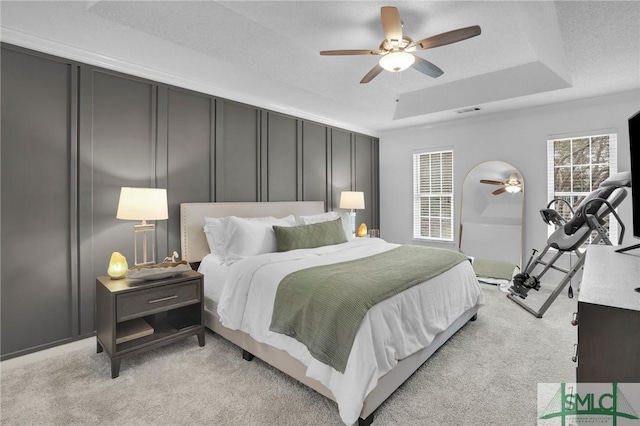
x=569 y=236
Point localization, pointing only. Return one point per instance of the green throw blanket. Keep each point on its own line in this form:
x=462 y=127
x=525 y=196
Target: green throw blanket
x=323 y=306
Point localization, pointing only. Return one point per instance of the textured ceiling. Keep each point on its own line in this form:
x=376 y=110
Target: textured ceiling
x=529 y=53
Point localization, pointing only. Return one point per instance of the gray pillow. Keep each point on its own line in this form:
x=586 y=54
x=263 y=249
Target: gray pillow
x=310 y=236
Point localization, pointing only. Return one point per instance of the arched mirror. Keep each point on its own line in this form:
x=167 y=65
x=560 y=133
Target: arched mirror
x=491 y=215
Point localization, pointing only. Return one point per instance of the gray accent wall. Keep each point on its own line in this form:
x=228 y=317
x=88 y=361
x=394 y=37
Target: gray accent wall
x=280 y=158
x=366 y=177
x=189 y=137
x=237 y=152
x=315 y=163
x=117 y=147
x=39 y=293
x=340 y=165
x=74 y=134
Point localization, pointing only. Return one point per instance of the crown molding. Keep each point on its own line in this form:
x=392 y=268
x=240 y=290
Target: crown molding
x=55 y=48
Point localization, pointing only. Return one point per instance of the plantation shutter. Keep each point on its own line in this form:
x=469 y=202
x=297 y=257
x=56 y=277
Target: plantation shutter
x=433 y=195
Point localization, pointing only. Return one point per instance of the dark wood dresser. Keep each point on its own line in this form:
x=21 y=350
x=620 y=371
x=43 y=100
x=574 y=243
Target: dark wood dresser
x=609 y=317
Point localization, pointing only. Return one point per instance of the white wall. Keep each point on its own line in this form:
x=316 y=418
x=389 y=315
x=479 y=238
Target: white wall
x=517 y=137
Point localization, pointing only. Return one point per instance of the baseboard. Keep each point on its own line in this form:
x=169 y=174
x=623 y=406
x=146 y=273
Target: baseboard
x=47 y=353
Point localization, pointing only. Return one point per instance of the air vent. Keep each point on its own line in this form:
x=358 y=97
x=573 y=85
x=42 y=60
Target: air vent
x=465 y=110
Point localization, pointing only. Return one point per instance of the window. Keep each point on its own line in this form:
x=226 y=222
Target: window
x=433 y=195
x=577 y=166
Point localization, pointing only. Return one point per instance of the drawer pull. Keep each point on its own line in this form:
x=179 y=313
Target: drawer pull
x=574 y=358
x=574 y=320
x=163 y=299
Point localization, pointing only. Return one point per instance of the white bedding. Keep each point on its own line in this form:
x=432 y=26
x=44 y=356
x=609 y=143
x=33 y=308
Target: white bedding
x=215 y=276
x=391 y=330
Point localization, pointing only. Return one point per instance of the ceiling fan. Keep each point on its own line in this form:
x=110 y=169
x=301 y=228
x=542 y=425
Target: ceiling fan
x=396 y=48
x=512 y=185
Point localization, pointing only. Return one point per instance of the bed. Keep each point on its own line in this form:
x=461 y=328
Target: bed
x=365 y=383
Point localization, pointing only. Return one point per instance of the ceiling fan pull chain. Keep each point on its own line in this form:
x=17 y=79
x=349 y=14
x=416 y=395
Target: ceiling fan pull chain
x=399 y=86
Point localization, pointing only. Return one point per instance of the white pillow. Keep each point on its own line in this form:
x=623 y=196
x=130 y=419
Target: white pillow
x=317 y=218
x=326 y=217
x=215 y=232
x=246 y=237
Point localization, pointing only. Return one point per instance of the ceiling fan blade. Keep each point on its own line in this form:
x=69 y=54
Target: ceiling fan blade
x=427 y=67
x=372 y=74
x=350 y=52
x=499 y=191
x=391 y=23
x=491 y=182
x=444 y=38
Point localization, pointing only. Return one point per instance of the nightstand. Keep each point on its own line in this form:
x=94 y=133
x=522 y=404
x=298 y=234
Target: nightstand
x=133 y=316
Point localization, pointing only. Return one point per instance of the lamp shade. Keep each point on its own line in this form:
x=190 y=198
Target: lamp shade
x=142 y=204
x=351 y=200
x=397 y=61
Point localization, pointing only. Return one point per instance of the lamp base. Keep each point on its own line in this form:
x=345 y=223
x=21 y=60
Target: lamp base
x=352 y=216
x=142 y=232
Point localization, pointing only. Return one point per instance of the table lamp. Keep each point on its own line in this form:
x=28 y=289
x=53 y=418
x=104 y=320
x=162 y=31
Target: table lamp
x=143 y=204
x=352 y=200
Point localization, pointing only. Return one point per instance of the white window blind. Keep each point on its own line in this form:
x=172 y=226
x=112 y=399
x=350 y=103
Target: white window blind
x=576 y=166
x=433 y=195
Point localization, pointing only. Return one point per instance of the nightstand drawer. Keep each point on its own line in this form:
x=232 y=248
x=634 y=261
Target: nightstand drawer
x=147 y=302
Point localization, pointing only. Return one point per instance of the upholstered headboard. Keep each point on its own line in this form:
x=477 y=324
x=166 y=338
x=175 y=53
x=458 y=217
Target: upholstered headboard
x=193 y=241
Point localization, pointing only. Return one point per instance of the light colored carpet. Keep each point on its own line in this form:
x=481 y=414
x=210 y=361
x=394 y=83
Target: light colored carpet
x=487 y=374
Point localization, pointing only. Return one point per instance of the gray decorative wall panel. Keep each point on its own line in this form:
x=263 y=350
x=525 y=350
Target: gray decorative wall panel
x=281 y=150
x=190 y=131
x=74 y=134
x=118 y=151
x=364 y=174
x=37 y=283
x=314 y=163
x=341 y=179
x=237 y=152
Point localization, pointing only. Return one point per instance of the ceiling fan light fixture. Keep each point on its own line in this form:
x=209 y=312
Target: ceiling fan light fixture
x=397 y=61
x=513 y=188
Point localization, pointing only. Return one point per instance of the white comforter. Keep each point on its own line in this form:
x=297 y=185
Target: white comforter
x=391 y=330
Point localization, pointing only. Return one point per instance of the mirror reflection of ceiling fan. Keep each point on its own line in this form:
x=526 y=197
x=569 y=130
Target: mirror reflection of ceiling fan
x=512 y=185
x=396 y=48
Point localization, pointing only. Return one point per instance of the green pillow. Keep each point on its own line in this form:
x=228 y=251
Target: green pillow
x=310 y=236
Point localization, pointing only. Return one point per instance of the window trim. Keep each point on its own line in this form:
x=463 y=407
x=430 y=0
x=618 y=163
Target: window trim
x=416 y=196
